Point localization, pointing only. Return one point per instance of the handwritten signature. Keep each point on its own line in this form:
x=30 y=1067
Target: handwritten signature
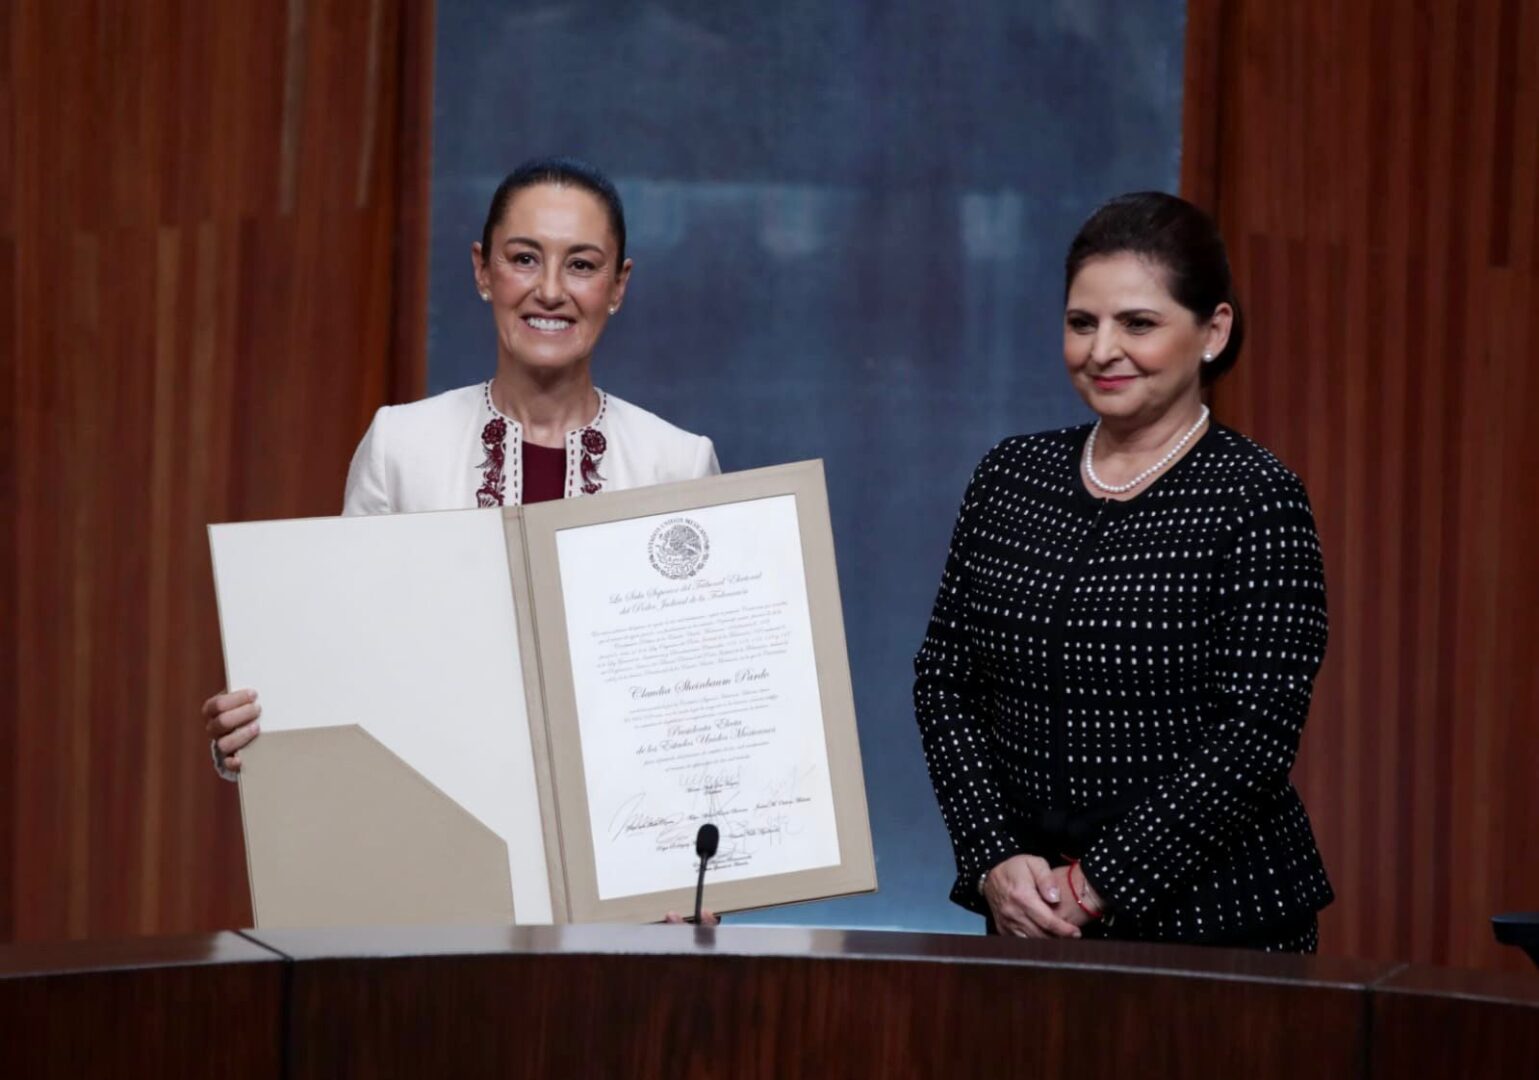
x=715 y=795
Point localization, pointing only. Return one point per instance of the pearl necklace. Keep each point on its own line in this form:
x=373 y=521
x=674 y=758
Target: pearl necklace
x=1118 y=489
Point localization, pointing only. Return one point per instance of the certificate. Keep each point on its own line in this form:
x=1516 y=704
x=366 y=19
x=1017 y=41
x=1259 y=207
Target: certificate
x=525 y=714
x=693 y=670
x=697 y=695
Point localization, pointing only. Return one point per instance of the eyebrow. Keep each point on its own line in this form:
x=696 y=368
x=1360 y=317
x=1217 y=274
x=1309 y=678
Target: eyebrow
x=531 y=242
x=1124 y=314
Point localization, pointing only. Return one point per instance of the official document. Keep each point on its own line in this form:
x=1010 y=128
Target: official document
x=697 y=695
x=692 y=670
x=526 y=714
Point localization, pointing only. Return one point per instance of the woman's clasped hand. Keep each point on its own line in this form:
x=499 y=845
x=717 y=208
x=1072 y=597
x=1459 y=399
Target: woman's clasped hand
x=1030 y=898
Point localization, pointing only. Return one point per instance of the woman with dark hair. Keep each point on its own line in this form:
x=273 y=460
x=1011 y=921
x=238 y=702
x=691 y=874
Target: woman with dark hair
x=551 y=265
x=1122 y=651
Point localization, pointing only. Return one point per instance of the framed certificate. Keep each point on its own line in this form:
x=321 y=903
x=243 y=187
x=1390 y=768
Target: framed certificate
x=693 y=667
x=649 y=661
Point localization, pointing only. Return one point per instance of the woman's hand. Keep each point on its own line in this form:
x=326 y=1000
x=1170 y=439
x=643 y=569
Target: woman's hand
x=1091 y=899
x=230 y=719
x=1027 y=899
x=1087 y=896
x=707 y=918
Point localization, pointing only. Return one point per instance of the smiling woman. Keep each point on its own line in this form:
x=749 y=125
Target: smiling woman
x=551 y=264
x=1123 y=647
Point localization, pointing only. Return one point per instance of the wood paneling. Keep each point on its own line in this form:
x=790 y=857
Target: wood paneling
x=1375 y=168
x=210 y=256
x=163 y=1007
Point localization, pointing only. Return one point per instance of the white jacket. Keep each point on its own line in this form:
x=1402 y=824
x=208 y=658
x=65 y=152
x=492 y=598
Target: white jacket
x=428 y=455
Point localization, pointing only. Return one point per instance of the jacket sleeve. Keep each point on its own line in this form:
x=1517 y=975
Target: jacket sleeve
x=705 y=463
x=950 y=706
x=366 y=491
x=1267 y=643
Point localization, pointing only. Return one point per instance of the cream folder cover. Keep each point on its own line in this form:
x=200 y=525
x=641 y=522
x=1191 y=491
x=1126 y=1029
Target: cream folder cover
x=401 y=629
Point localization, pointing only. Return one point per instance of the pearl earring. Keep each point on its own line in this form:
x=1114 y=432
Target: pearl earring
x=613 y=308
x=1207 y=358
x=485 y=295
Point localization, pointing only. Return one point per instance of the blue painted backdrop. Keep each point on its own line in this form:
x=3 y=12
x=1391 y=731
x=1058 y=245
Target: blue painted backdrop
x=848 y=225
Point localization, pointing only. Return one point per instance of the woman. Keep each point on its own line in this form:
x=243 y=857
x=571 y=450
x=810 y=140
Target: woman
x=1122 y=650
x=551 y=264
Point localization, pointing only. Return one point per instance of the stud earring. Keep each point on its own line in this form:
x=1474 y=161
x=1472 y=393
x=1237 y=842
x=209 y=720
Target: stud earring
x=486 y=296
x=1207 y=358
x=613 y=308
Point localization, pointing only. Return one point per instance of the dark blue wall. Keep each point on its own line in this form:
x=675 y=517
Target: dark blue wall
x=848 y=227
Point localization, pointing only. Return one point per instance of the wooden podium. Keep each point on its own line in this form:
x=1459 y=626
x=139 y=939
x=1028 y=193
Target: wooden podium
x=671 y=1001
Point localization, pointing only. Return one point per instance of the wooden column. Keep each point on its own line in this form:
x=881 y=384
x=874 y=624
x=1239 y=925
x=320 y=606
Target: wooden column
x=212 y=241
x=1375 y=170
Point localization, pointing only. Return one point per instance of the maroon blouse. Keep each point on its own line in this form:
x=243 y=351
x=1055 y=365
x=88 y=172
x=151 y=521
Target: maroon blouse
x=544 y=473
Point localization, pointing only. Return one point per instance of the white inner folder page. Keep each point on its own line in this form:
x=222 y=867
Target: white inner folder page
x=697 y=695
x=405 y=626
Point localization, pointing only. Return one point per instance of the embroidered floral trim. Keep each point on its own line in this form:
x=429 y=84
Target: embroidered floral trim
x=493 y=482
x=493 y=489
x=593 y=446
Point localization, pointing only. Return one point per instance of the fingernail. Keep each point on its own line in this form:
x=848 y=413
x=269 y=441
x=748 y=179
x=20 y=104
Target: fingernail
x=251 y=695
x=259 y=710
x=1078 y=934
x=256 y=728
x=1052 y=896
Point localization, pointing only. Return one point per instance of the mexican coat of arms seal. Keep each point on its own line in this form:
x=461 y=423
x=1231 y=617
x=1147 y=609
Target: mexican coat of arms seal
x=679 y=548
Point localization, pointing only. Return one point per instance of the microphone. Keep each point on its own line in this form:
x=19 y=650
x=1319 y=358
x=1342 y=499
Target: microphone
x=705 y=846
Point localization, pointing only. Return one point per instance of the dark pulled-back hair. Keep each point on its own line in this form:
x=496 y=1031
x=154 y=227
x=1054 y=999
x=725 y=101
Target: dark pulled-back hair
x=563 y=172
x=1180 y=239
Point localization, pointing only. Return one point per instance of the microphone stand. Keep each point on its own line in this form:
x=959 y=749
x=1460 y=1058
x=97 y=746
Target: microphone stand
x=705 y=846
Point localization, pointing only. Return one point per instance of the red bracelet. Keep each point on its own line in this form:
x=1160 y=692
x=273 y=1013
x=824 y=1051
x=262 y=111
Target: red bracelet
x=1073 y=865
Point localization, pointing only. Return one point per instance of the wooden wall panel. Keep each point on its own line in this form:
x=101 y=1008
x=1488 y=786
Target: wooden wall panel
x=1375 y=170
x=210 y=242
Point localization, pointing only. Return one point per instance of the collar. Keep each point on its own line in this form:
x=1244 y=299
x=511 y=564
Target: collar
x=502 y=438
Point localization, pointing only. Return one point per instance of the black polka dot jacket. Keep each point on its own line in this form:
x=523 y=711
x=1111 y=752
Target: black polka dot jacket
x=1127 y=682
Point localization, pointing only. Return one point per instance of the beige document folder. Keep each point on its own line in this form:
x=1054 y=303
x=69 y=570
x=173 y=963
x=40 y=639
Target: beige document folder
x=422 y=757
